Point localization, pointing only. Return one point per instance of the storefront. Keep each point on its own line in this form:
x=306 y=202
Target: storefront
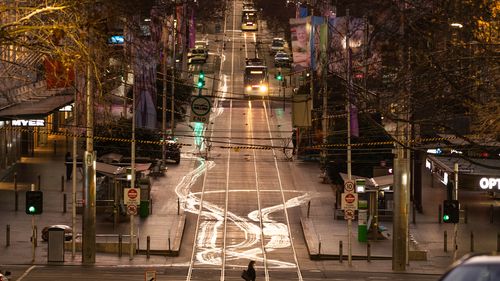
x=25 y=126
x=480 y=175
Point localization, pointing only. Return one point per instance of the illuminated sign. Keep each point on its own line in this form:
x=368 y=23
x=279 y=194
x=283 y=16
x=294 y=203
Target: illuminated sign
x=116 y=39
x=435 y=151
x=67 y=108
x=489 y=183
x=29 y=122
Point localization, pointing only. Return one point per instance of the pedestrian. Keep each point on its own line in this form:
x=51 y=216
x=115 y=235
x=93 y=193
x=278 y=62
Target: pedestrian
x=69 y=166
x=294 y=141
x=251 y=270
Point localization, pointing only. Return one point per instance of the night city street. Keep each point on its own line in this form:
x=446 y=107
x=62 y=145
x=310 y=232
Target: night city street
x=288 y=140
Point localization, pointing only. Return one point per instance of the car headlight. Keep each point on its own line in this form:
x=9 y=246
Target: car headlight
x=263 y=88
x=248 y=88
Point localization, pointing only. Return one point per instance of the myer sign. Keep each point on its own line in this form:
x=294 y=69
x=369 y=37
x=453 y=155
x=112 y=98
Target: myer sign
x=489 y=183
x=29 y=122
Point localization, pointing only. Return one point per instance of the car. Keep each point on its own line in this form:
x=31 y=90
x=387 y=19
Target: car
x=282 y=59
x=197 y=55
x=68 y=231
x=4 y=276
x=474 y=267
x=173 y=151
x=278 y=44
x=201 y=45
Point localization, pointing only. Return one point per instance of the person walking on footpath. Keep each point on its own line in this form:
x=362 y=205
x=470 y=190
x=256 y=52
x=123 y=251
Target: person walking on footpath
x=251 y=271
x=294 y=141
x=69 y=166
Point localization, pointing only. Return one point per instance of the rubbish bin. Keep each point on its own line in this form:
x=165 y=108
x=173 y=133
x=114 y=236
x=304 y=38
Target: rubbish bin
x=144 y=209
x=55 y=245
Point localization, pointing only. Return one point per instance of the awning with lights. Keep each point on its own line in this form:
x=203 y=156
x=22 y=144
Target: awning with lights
x=35 y=108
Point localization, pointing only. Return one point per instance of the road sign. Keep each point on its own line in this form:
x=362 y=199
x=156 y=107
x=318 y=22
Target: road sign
x=150 y=275
x=349 y=214
x=132 y=196
x=132 y=209
x=349 y=201
x=200 y=109
x=349 y=186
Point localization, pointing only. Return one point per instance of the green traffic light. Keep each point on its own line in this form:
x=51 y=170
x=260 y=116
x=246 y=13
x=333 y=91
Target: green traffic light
x=446 y=218
x=200 y=84
x=202 y=75
x=31 y=209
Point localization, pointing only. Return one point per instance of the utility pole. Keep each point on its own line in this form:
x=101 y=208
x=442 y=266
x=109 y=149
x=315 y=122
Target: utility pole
x=172 y=102
x=348 y=94
x=73 y=172
x=89 y=209
x=132 y=180
x=401 y=173
x=164 y=101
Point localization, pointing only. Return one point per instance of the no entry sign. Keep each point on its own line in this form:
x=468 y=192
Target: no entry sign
x=132 y=196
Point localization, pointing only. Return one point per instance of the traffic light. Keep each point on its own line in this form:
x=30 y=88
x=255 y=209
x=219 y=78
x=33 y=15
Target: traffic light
x=279 y=76
x=201 y=79
x=451 y=211
x=34 y=202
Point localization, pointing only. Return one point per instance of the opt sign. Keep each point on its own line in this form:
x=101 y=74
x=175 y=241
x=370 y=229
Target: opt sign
x=489 y=183
x=132 y=196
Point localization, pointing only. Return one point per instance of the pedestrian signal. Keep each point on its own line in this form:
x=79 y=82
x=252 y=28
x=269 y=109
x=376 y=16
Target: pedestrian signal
x=34 y=202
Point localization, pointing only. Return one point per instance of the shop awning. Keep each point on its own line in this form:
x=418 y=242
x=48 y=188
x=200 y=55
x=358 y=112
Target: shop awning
x=35 y=108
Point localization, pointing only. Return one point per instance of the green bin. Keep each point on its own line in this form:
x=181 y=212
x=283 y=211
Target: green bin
x=144 y=209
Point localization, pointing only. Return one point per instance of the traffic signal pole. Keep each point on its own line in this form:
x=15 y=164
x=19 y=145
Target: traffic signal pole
x=33 y=232
x=455 y=225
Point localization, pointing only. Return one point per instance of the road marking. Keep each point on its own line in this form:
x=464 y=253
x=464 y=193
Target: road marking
x=26 y=272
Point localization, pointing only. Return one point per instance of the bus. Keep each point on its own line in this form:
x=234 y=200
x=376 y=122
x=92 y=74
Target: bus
x=256 y=81
x=249 y=20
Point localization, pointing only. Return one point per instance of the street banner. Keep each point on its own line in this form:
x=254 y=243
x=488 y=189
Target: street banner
x=316 y=51
x=58 y=74
x=301 y=43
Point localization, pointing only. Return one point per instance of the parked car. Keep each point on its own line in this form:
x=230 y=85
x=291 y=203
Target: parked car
x=282 y=59
x=4 y=276
x=197 y=55
x=68 y=231
x=474 y=267
x=278 y=44
x=173 y=151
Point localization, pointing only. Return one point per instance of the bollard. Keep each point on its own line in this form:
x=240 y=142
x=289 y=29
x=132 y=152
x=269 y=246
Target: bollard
x=16 y=200
x=368 y=252
x=413 y=215
x=308 y=208
x=498 y=242
x=16 y=194
x=62 y=183
x=169 y=249
x=491 y=213
x=151 y=206
x=64 y=203
x=39 y=182
x=55 y=145
x=466 y=214
x=340 y=251
x=120 y=248
x=472 y=241
x=178 y=206
x=319 y=248
x=7 y=236
x=148 y=245
x=439 y=213
x=445 y=241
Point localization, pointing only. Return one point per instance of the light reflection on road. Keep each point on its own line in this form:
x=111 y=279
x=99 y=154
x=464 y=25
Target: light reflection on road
x=211 y=226
x=208 y=252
